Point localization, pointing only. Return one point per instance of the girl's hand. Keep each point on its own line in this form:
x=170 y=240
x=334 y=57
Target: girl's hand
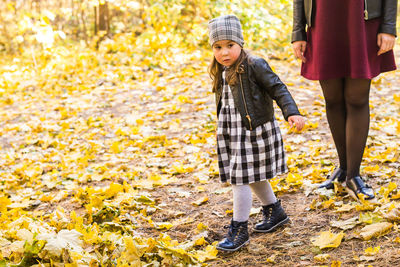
x=299 y=47
x=296 y=120
x=386 y=42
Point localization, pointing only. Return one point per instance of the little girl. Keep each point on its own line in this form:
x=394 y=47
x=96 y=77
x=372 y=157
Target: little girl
x=250 y=147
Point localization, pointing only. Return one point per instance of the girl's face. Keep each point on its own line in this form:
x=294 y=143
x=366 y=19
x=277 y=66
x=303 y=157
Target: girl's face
x=226 y=52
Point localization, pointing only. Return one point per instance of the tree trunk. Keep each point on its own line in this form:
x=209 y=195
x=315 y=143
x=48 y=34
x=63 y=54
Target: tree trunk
x=103 y=17
x=102 y=23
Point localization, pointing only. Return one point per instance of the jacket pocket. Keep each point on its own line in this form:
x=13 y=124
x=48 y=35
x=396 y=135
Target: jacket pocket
x=372 y=9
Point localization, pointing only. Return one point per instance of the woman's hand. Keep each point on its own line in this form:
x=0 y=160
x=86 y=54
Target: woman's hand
x=296 y=120
x=386 y=42
x=299 y=47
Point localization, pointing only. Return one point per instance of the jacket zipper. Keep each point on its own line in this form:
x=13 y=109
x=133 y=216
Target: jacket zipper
x=365 y=10
x=244 y=101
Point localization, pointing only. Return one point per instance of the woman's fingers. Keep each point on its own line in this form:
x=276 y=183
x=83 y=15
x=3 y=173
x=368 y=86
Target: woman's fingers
x=299 y=47
x=385 y=42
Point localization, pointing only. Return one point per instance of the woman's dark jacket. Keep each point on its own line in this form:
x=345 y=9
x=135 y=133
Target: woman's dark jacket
x=257 y=86
x=303 y=15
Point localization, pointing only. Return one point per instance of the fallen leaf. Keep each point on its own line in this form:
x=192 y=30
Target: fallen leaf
x=271 y=259
x=322 y=258
x=255 y=211
x=393 y=215
x=371 y=251
x=65 y=239
x=131 y=253
x=375 y=230
x=210 y=253
x=327 y=239
x=336 y=264
x=367 y=258
x=347 y=224
x=163 y=225
x=369 y=218
x=345 y=208
x=200 y=201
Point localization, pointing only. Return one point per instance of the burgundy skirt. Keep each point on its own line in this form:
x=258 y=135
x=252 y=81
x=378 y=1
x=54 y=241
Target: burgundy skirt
x=342 y=44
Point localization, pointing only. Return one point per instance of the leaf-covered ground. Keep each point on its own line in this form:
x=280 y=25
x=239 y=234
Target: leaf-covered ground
x=109 y=159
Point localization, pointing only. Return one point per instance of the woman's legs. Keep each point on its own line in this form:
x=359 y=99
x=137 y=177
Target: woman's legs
x=347 y=108
x=333 y=91
x=356 y=93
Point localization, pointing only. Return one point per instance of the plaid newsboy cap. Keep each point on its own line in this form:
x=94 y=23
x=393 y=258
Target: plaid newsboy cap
x=226 y=27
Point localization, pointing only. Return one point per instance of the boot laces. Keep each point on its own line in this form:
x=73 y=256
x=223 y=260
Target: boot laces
x=268 y=214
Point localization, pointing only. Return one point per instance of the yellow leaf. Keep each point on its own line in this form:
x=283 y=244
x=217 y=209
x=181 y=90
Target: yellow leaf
x=184 y=99
x=201 y=227
x=345 y=208
x=371 y=251
x=4 y=202
x=328 y=239
x=365 y=205
x=294 y=179
x=336 y=264
x=201 y=201
x=328 y=204
x=131 y=253
x=116 y=147
x=396 y=196
x=209 y=254
x=322 y=258
x=113 y=190
x=182 y=168
x=201 y=241
x=369 y=218
x=375 y=230
x=271 y=259
x=372 y=169
x=163 y=225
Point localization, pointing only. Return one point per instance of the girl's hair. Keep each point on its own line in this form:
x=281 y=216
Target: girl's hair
x=215 y=70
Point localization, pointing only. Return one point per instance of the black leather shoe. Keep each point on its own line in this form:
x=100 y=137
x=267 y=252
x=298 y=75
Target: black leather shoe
x=356 y=186
x=237 y=237
x=274 y=216
x=338 y=174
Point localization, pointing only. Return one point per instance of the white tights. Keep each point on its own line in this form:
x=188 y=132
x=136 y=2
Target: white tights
x=242 y=198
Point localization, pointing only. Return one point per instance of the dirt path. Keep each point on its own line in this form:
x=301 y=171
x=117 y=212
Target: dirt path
x=312 y=156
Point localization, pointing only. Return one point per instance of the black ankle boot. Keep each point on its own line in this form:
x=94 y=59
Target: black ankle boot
x=237 y=237
x=274 y=216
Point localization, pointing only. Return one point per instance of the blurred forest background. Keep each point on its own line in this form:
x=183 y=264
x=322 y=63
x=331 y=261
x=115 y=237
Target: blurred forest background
x=149 y=25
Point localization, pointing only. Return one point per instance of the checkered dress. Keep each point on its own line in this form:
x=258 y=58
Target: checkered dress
x=244 y=156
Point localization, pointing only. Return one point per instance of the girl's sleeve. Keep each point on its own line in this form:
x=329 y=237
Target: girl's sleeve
x=275 y=88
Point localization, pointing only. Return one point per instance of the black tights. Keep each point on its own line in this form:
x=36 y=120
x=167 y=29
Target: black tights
x=347 y=111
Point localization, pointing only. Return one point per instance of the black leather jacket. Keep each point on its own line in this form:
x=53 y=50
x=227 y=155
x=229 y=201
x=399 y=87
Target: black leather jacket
x=257 y=86
x=303 y=15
